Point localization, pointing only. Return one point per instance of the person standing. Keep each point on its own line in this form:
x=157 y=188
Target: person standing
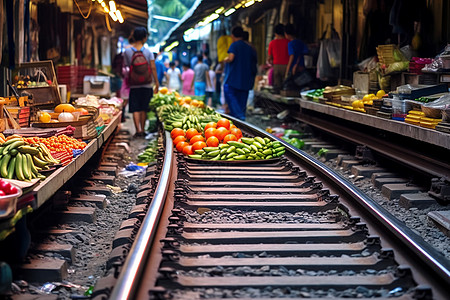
x=210 y=90
x=218 y=80
x=173 y=76
x=278 y=57
x=140 y=92
x=240 y=73
x=297 y=49
x=201 y=80
x=187 y=77
x=159 y=68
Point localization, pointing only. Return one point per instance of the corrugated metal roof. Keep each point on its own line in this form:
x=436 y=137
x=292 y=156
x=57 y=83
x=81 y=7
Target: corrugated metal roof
x=134 y=11
x=203 y=8
x=199 y=10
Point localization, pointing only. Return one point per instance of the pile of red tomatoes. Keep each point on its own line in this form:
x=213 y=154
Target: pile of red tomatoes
x=212 y=135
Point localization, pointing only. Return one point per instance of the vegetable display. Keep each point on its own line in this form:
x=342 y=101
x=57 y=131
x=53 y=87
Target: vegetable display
x=176 y=116
x=249 y=149
x=424 y=99
x=149 y=154
x=61 y=147
x=199 y=132
x=60 y=143
x=23 y=161
x=222 y=140
x=316 y=93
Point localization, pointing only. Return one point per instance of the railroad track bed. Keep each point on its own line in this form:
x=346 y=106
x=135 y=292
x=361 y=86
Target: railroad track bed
x=277 y=234
x=269 y=229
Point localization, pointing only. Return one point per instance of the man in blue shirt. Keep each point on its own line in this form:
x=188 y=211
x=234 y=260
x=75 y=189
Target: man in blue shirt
x=159 y=68
x=297 y=49
x=240 y=73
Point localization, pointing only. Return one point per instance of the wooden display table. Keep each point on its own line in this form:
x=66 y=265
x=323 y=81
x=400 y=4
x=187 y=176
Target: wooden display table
x=57 y=179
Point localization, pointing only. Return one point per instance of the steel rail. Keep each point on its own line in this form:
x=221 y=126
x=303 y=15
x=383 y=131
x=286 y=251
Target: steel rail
x=435 y=260
x=127 y=282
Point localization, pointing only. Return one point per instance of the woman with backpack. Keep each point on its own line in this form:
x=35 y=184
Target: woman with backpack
x=141 y=76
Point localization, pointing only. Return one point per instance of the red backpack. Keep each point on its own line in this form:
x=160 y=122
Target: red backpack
x=140 y=70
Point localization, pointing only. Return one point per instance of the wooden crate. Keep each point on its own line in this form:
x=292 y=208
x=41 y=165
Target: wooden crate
x=45 y=95
x=416 y=79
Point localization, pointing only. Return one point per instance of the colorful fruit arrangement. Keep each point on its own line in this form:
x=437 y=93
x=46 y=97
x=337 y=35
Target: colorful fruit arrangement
x=199 y=132
x=367 y=99
x=222 y=140
x=60 y=143
x=23 y=161
x=61 y=147
x=62 y=113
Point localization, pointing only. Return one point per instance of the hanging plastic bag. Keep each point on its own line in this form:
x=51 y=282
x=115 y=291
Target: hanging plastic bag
x=333 y=47
x=328 y=48
x=323 y=66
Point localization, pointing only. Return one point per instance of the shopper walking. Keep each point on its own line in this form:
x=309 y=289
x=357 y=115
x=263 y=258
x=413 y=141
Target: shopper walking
x=187 y=77
x=201 y=80
x=173 y=76
x=297 y=49
x=240 y=73
x=278 y=57
x=141 y=77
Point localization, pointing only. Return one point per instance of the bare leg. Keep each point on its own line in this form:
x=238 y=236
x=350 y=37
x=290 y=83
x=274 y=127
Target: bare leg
x=143 y=118
x=137 y=121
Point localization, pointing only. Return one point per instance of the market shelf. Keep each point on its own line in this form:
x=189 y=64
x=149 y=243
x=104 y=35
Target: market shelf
x=430 y=136
x=426 y=135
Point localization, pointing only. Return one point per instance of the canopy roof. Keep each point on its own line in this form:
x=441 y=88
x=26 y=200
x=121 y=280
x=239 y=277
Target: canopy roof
x=203 y=8
x=134 y=11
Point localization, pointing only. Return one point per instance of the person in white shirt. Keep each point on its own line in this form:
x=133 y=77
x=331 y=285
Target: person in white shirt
x=173 y=76
x=209 y=92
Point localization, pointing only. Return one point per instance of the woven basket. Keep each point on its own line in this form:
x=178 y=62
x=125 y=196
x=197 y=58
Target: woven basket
x=431 y=112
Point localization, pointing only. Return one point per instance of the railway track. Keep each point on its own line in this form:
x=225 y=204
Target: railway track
x=289 y=228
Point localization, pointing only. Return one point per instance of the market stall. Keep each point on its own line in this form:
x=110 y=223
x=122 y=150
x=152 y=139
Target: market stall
x=45 y=142
x=406 y=97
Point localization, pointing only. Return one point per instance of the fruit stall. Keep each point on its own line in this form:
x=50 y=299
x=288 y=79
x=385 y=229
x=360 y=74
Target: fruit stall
x=44 y=142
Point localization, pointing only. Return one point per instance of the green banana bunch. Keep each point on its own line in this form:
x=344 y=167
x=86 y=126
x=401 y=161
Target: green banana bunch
x=175 y=116
x=256 y=148
x=19 y=160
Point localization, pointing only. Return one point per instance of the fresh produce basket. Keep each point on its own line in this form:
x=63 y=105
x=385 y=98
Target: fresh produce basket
x=81 y=121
